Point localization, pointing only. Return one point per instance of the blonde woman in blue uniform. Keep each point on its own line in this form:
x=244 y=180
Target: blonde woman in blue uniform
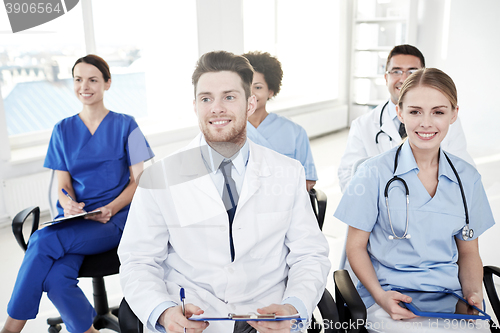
x=93 y=154
x=432 y=248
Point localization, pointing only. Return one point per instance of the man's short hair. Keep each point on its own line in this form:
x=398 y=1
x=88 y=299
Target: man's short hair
x=269 y=66
x=218 y=61
x=405 y=49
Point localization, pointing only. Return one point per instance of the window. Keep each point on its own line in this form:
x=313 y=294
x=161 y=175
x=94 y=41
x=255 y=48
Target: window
x=35 y=72
x=151 y=49
x=304 y=36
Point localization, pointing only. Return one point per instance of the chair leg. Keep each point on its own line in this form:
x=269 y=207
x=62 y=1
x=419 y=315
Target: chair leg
x=108 y=321
x=54 y=324
x=100 y=297
x=104 y=318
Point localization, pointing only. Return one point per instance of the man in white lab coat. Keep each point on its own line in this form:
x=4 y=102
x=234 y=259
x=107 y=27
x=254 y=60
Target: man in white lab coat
x=380 y=129
x=238 y=240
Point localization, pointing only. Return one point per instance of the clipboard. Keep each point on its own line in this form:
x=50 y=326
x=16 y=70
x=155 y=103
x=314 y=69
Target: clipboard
x=71 y=217
x=439 y=304
x=250 y=317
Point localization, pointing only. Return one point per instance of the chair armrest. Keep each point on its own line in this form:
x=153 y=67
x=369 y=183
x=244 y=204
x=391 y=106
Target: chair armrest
x=350 y=305
x=321 y=197
x=129 y=323
x=318 y=201
x=328 y=310
x=18 y=221
x=489 y=285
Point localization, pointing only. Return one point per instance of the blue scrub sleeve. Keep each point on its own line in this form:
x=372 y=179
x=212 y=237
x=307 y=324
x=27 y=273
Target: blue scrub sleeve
x=55 y=153
x=304 y=155
x=480 y=214
x=359 y=204
x=138 y=149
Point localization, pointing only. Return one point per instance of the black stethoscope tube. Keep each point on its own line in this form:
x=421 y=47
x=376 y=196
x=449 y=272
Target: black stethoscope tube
x=466 y=231
x=380 y=124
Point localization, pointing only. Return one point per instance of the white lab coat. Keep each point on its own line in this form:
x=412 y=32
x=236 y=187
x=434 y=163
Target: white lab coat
x=177 y=235
x=361 y=141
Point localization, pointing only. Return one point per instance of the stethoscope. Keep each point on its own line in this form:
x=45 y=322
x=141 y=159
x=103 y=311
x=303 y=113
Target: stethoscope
x=466 y=231
x=380 y=122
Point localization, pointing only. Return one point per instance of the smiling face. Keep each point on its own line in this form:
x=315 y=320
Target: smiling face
x=402 y=62
x=261 y=91
x=427 y=114
x=222 y=108
x=89 y=84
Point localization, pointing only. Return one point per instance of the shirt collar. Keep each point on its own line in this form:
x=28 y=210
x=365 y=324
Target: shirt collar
x=445 y=167
x=392 y=109
x=406 y=163
x=406 y=160
x=213 y=159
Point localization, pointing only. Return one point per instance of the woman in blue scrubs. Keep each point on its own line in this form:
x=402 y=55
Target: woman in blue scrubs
x=429 y=252
x=269 y=129
x=97 y=155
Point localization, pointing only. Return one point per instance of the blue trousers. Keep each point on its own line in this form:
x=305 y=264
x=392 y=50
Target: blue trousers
x=51 y=264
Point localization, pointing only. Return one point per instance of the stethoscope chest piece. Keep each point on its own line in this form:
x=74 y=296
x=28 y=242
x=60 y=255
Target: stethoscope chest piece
x=467 y=232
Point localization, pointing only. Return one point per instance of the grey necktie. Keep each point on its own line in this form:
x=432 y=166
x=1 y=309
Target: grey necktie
x=229 y=193
x=230 y=198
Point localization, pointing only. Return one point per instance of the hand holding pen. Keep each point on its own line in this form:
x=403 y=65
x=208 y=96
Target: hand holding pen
x=69 y=208
x=175 y=318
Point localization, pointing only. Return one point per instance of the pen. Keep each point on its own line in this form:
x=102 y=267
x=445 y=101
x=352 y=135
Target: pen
x=69 y=196
x=182 y=296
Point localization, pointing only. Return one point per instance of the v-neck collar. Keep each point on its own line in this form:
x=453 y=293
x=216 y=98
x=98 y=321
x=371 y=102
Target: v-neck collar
x=99 y=126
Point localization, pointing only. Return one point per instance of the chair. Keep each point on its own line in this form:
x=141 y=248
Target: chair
x=489 y=285
x=95 y=266
x=129 y=323
x=350 y=306
x=318 y=202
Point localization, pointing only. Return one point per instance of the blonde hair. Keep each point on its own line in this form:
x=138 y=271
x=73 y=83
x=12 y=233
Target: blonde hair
x=432 y=78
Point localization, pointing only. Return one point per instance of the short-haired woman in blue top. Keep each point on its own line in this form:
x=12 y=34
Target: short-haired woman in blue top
x=95 y=154
x=425 y=244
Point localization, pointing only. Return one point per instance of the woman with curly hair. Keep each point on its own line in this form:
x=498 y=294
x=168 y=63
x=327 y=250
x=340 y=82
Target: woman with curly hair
x=269 y=129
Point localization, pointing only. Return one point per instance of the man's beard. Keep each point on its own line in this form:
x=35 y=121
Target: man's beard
x=236 y=135
x=227 y=144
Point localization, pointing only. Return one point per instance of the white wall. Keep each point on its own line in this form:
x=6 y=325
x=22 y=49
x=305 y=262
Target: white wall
x=472 y=53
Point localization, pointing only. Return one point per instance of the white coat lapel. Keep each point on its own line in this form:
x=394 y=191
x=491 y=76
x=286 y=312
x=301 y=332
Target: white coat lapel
x=193 y=192
x=390 y=129
x=257 y=168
